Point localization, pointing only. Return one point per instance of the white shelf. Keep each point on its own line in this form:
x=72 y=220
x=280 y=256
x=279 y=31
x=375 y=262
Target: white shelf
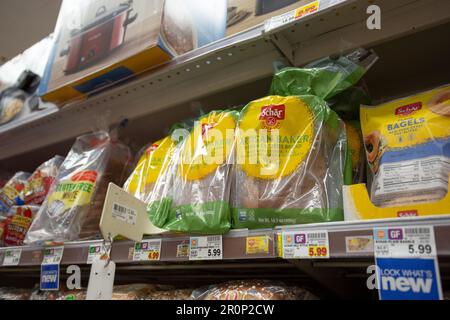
x=226 y=64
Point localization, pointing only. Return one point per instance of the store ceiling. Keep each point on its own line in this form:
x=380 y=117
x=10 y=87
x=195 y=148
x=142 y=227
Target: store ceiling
x=23 y=23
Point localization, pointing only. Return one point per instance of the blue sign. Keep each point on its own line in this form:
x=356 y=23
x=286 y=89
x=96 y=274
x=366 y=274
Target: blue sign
x=408 y=279
x=50 y=277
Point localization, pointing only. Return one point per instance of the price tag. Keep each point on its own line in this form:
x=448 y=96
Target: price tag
x=94 y=254
x=257 y=245
x=147 y=250
x=293 y=15
x=12 y=257
x=305 y=245
x=407 y=265
x=405 y=242
x=206 y=248
x=53 y=255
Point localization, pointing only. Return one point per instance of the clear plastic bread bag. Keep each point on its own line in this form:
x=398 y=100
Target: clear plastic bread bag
x=198 y=179
x=252 y=290
x=73 y=207
x=292 y=153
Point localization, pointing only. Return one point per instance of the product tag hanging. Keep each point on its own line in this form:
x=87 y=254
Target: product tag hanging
x=101 y=279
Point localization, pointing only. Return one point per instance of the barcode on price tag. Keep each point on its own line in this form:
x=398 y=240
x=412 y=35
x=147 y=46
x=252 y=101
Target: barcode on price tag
x=305 y=245
x=53 y=255
x=206 y=248
x=147 y=250
x=94 y=254
x=125 y=214
x=12 y=257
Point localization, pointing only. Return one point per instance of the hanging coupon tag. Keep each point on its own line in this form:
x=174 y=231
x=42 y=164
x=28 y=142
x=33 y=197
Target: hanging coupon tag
x=94 y=254
x=206 y=248
x=101 y=280
x=305 y=245
x=147 y=250
x=53 y=255
x=12 y=257
x=406 y=263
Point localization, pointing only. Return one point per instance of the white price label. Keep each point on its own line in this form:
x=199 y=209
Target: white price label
x=405 y=242
x=12 y=257
x=293 y=15
x=305 y=245
x=147 y=250
x=53 y=255
x=95 y=253
x=206 y=248
x=125 y=214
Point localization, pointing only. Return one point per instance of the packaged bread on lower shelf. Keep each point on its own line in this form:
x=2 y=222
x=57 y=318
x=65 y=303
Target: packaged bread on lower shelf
x=232 y=290
x=73 y=207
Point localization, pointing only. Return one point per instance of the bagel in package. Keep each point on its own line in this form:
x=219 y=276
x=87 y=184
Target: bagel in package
x=200 y=179
x=292 y=154
x=73 y=207
x=407 y=143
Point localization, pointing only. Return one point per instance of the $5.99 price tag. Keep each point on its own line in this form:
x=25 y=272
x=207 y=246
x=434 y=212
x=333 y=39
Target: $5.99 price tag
x=405 y=242
x=305 y=245
x=206 y=248
x=147 y=250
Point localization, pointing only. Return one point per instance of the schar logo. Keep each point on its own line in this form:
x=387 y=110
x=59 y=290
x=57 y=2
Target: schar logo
x=272 y=114
x=408 y=109
x=395 y=234
x=300 y=238
x=407 y=213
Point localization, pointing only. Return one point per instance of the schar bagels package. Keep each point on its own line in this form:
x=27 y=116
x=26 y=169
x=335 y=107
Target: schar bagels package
x=292 y=149
x=407 y=144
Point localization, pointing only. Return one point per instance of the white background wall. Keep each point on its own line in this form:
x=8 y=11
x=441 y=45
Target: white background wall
x=23 y=23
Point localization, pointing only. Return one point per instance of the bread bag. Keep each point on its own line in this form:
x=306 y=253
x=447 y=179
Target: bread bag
x=293 y=170
x=73 y=207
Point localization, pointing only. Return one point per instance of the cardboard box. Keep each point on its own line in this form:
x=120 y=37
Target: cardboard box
x=100 y=43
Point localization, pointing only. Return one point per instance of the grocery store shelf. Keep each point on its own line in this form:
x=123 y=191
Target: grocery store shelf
x=343 y=27
x=235 y=243
x=244 y=58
